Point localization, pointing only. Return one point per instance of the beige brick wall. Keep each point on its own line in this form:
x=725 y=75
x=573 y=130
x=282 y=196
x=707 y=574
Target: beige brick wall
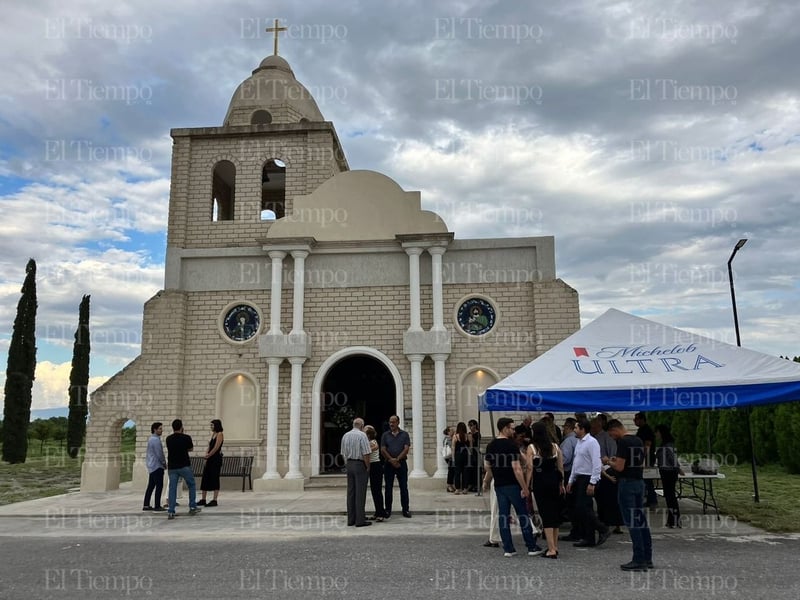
x=311 y=157
x=185 y=356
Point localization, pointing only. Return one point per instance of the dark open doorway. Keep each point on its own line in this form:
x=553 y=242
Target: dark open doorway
x=356 y=386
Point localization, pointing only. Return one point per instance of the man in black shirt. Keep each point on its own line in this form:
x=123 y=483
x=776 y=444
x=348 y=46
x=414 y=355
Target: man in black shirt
x=179 y=466
x=502 y=463
x=628 y=466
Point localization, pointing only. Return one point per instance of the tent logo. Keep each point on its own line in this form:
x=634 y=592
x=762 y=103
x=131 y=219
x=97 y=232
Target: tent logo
x=580 y=352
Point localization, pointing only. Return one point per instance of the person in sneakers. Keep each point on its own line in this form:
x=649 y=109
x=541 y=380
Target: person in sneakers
x=628 y=466
x=156 y=463
x=180 y=467
x=502 y=463
x=213 y=466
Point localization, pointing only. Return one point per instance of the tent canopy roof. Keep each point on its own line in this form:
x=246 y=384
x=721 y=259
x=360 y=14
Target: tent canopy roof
x=620 y=362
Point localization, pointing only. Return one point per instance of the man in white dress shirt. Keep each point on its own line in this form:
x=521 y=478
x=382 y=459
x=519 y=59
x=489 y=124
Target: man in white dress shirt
x=585 y=475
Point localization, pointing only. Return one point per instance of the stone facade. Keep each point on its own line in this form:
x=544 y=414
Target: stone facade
x=356 y=268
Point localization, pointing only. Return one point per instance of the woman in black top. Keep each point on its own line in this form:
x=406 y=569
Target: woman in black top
x=546 y=481
x=475 y=463
x=460 y=445
x=213 y=456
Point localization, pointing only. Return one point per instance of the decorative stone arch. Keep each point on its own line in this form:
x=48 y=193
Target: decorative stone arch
x=241 y=423
x=102 y=463
x=472 y=381
x=316 y=391
x=273 y=186
x=223 y=187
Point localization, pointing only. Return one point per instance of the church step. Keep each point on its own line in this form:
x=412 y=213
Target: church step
x=326 y=481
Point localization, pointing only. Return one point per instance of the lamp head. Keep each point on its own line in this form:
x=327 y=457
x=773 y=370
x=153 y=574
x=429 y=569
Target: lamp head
x=740 y=243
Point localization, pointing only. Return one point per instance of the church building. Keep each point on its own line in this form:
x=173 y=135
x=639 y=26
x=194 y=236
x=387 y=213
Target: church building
x=299 y=294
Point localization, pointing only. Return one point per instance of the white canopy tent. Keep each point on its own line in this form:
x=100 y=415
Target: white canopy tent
x=620 y=362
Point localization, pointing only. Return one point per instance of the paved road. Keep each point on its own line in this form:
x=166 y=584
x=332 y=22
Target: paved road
x=306 y=556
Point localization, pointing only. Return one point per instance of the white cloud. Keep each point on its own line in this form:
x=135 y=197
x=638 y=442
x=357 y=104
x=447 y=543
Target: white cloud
x=645 y=195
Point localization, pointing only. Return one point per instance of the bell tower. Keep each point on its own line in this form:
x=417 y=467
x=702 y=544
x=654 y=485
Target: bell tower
x=231 y=183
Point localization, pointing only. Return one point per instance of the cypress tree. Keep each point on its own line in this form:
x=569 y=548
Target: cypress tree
x=732 y=441
x=684 y=429
x=764 y=425
x=79 y=382
x=20 y=372
x=788 y=435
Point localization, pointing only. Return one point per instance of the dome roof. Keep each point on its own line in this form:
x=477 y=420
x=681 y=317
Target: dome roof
x=272 y=95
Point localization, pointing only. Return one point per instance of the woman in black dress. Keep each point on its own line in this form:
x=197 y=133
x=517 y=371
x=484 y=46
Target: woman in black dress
x=546 y=480
x=210 y=482
x=460 y=445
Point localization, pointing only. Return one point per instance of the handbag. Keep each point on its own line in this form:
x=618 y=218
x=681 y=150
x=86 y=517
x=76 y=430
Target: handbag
x=447 y=451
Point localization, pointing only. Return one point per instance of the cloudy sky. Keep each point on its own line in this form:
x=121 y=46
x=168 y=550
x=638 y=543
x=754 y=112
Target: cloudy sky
x=647 y=137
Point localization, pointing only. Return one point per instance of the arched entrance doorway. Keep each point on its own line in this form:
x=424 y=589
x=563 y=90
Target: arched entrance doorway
x=356 y=386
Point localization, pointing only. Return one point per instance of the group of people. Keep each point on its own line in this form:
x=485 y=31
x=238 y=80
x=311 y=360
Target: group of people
x=461 y=450
x=178 y=466
x=550 y=478
x=377 y=463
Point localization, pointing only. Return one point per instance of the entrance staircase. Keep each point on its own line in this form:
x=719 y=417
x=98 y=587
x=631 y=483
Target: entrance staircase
x=318 y=482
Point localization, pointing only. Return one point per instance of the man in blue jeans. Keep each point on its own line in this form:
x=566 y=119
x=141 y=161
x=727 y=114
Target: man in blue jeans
x=628 y=468
x=502 y=464
x=179 y=466
x=395 y=445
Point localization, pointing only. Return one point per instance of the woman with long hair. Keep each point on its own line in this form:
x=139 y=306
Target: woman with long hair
x=451 y=470
x=213 y=456
x=460 y=445
x=546 y=479
x=668 y=470
x=375 y=473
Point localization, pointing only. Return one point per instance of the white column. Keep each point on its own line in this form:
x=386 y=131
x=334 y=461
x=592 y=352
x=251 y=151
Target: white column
x=277 y=257
x=413 y=286
x=436 y=253
x=294 y=418
x=299 y=257
x=441 y=411
x=272 y=419
x=417 y=441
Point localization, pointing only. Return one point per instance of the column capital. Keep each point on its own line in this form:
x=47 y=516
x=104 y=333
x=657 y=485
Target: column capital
x=415 y=358
x=439 y=357
x=274 y=361
x=276 y=254
x=299 y=253
x=413 y=250
x=296 y=360
x=436 y=250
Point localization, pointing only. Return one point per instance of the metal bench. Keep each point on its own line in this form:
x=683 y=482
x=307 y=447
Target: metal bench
x=232 y=466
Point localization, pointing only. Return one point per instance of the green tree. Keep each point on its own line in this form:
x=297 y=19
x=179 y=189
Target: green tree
x=684 y=428
x=733 y=435
x=79 y=382
x=787 y=435
x=58 y=426
x=41 y=430
x=660 y=417
x=765 y=442
x=706 y=430
x=20 y=372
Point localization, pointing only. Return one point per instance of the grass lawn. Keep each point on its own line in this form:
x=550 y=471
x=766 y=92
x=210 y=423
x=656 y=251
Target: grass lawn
x=48 y=472
x=778 y=509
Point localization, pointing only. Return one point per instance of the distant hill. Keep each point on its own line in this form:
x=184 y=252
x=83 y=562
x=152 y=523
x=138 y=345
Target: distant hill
x=46 y=413
x=63 y=411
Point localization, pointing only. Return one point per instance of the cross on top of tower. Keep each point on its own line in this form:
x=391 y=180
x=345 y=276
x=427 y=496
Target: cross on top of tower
x=275 y=29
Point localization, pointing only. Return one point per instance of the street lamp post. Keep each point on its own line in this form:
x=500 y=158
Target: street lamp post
x=736 y=248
